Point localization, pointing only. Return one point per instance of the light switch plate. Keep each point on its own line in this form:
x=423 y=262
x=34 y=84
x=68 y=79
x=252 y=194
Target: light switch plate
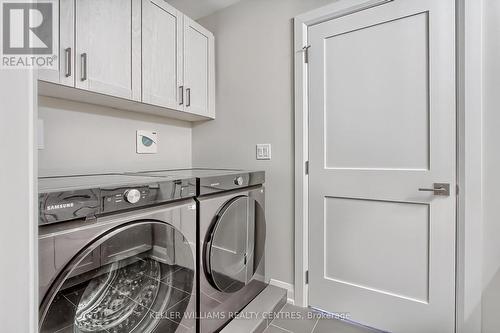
x=147 y=142
x=264 y=151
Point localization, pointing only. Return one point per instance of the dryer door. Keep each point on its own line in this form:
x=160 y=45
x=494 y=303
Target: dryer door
x=235 y=244
x=141 y=282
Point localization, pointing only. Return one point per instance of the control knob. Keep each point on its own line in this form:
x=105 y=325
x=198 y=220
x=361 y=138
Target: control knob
x=238 y=181
x=132 y=196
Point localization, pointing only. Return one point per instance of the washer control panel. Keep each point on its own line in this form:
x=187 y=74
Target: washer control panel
x=87 y=197
x=123 y=198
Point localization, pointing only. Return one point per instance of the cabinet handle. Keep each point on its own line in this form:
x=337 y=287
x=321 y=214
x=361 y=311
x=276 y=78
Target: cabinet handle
x=188 y=97
x=67 y=52
x=84 y=67
x=181 y=94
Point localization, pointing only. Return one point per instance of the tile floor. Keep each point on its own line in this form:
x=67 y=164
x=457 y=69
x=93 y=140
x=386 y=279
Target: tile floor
x=293 y=319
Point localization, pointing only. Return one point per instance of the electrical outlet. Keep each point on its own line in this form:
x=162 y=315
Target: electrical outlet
x=147 y=142
x=264 y=151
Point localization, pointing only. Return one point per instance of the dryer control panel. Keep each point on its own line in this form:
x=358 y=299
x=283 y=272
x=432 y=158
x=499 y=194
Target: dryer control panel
x=232 y=181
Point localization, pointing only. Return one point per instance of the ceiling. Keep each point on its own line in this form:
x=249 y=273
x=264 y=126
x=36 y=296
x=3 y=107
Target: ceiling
x=200 y=8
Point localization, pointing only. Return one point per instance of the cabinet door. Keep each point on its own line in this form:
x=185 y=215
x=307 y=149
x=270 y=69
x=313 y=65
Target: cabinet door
x=199 y=69
x=108 y=42
x=161 y=54
x=65 y=73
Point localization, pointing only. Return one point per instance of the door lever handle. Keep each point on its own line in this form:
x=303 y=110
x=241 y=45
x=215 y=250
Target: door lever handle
x=442 y=189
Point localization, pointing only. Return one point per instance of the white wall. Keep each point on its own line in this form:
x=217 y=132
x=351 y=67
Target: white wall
x=491 y=239
x=18 y=228
x=254 y=75
x=82 y=138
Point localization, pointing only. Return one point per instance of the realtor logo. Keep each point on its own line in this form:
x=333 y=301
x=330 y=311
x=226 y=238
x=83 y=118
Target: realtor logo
x=29 y=36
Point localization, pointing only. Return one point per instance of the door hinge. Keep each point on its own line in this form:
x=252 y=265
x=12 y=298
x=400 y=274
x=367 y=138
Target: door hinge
x=305 y=49
x=307 y=277
x=306 y=167
x=457 y=189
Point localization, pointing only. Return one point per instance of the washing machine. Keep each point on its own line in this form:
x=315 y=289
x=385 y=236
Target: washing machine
x=117 y=253
x=232 y=233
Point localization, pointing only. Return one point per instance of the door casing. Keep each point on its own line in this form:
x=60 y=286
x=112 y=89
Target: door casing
x=469 y=152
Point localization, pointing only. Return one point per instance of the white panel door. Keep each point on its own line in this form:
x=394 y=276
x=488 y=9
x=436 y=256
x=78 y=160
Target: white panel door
x=161 y=54
x=65 y=74
x=381 y=127
x=198 y=69
x=108 y=47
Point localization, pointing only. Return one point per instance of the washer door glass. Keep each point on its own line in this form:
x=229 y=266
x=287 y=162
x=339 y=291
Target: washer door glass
x=235 y=243
x=134 y=278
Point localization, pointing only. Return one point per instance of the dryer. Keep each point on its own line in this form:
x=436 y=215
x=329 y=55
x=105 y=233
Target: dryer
x=117 y=253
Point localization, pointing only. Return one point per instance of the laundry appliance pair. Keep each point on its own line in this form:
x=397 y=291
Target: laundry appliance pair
x=158 y=251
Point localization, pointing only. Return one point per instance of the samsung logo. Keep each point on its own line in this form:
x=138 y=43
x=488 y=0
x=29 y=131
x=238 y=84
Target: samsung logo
x=60 y=206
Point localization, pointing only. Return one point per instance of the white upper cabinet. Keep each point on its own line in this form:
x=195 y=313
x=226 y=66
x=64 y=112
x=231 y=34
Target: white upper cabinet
x=161 y=56
x=65 y=74
x=137 y=55
x=108 y=42
x=199 y=68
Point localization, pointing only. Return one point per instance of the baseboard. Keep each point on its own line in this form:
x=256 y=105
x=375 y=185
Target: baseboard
x=287 y=286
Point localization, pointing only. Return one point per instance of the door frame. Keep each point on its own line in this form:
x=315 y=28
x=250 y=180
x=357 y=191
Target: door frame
x=469 y=90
